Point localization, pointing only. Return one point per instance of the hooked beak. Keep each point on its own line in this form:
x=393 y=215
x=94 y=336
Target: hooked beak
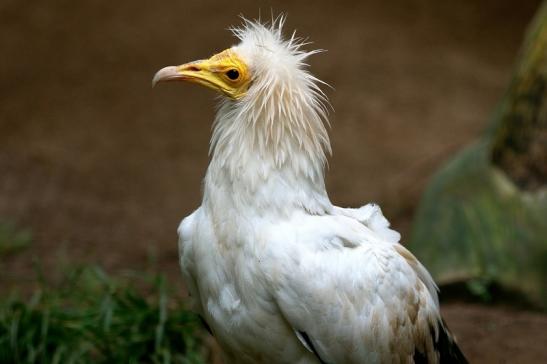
x=224 y=72
x=186 y=72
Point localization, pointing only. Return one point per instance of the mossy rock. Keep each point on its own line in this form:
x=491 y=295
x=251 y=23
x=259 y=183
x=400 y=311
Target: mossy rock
x=484 y=214
x=475 y=223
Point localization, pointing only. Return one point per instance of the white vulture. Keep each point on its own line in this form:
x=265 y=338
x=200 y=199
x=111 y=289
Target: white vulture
x=279 y=273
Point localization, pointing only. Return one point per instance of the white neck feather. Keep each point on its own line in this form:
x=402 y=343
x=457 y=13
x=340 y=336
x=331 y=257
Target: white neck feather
x=269 y=148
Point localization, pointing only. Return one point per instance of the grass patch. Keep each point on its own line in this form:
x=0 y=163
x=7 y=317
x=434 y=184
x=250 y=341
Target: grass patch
x=90 y=317
x=13 y=239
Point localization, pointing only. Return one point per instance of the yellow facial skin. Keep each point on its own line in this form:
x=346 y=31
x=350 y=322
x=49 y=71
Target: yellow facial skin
x=225 y=72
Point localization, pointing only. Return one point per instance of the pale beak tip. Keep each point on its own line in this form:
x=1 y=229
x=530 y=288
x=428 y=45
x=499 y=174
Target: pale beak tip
x=168 y=73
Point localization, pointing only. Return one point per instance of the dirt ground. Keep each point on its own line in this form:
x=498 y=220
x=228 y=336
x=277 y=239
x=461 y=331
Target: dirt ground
x=102 y=168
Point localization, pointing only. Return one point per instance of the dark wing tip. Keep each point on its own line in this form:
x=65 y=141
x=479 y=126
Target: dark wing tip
x=206 y=325
x=446 y=347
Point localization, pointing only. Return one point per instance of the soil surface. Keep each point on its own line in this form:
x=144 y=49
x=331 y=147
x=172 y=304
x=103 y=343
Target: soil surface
x=102 y=168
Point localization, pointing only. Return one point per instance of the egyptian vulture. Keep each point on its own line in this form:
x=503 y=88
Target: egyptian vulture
x=279 y=273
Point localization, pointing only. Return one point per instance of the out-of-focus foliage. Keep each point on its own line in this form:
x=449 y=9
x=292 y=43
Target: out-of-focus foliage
x=483 y=218
x=93 y=318
x=13 y=239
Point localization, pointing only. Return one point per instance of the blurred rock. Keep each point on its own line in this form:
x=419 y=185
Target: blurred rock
x=483 y=217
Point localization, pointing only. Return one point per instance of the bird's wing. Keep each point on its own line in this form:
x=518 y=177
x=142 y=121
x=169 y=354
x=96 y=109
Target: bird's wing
x=359 y=301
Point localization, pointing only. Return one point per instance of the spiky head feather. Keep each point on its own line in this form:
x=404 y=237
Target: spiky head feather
x=284 y=108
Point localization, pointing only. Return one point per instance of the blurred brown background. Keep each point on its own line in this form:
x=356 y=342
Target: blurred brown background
x=102 y=168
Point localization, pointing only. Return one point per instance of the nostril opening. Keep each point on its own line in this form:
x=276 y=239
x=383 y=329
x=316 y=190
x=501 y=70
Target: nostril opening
x=193 y=68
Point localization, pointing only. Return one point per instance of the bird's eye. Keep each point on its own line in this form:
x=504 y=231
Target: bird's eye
x=232 y=74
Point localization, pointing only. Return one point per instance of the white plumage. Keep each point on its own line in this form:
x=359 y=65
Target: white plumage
x=280 y=274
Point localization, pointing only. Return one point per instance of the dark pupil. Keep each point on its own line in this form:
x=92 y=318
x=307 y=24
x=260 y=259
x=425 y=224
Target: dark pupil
x=232 y=74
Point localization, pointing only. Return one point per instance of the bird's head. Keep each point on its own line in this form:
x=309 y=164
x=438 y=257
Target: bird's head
x=226 y=72
x=263 y=60
x=271 y=100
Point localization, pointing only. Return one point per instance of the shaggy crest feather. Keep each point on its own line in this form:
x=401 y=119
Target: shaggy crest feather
x=285 y=107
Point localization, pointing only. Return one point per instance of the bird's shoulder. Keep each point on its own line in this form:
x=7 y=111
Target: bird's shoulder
x=186 y=226
x=349 y=265
x=194 y=229
x=339 y=254
x=186 y=232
